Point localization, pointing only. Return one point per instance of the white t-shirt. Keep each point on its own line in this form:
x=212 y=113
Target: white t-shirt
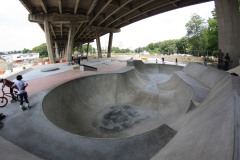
x=21 y=86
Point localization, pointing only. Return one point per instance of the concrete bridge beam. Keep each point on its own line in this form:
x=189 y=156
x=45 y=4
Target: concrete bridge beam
x=57 y=18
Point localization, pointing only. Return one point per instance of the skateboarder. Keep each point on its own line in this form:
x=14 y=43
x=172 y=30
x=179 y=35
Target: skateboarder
x=21 y=85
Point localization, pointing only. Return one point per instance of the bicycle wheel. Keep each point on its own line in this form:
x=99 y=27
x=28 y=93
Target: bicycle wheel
x=3 y=101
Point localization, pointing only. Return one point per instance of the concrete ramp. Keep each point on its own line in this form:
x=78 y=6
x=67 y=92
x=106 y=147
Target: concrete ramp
x=118 y=105
x=208 y=129
x=151 y=111
x=158 y=94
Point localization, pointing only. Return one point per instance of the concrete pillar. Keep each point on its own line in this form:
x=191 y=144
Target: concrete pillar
x=70 y=42
x=60 y=54
x=87 y=50
x=56 y=50
x=65 y=52
x=80 y=48
x=49 y=42
x=228 y=16
x=99 y=49
x=110 y=44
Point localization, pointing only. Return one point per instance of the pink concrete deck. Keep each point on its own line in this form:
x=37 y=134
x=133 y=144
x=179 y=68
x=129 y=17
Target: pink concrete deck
x=43 y=83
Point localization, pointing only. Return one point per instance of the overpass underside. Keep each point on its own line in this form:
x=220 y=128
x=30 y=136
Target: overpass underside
x=69 y=24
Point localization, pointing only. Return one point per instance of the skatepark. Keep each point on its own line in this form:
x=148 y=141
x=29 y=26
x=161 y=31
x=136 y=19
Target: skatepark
x=125 y=110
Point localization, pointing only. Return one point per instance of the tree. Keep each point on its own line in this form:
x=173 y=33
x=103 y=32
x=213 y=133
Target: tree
x=168 y=46
x=139 y=49
x=115 y=50
x=90 y=49
x=125 y=50
x=84 y=49
x=212 y=32
x=150 y=47
x=15 y=52
x=196 y=33
x=25 y=50
x=41 y=49
x=182 y=45
x=153 y=48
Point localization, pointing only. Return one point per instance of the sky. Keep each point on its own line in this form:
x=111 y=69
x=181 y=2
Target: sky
x=17 y=33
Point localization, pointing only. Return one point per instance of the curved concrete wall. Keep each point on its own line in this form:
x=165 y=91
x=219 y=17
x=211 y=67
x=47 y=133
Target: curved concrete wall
x=208 y=129
x=209 y=76
x=74 y=106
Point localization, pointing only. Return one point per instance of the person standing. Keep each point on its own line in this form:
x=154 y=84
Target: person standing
x=220 y=55
x=21 y=86
x=9 y=84
x=227 y=61
x=163 y=60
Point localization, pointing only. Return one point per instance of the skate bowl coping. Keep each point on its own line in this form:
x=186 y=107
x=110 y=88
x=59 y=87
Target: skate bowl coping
x=115 y=105
x=136 y=102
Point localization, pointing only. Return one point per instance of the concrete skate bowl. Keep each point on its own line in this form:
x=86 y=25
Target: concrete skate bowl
x=193 y=106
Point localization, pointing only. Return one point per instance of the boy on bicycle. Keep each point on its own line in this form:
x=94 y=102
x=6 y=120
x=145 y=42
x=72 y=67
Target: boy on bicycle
x=9 y=84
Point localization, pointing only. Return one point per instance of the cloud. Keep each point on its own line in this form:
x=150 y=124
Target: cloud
x=16 y=32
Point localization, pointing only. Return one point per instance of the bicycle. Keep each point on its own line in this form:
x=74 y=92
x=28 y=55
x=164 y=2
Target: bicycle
x=4 y=99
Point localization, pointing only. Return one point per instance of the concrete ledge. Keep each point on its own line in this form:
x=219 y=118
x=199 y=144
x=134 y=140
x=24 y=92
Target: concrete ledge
x=75 y=68
x=88 y=68
x=49 y=69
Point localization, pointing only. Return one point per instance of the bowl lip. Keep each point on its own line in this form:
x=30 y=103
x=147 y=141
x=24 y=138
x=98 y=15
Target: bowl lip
x=122 y=71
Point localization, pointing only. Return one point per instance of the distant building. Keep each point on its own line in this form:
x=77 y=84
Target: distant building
x=19 y=57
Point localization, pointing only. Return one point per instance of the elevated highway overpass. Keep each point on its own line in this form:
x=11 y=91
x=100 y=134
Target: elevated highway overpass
x=69 y=23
